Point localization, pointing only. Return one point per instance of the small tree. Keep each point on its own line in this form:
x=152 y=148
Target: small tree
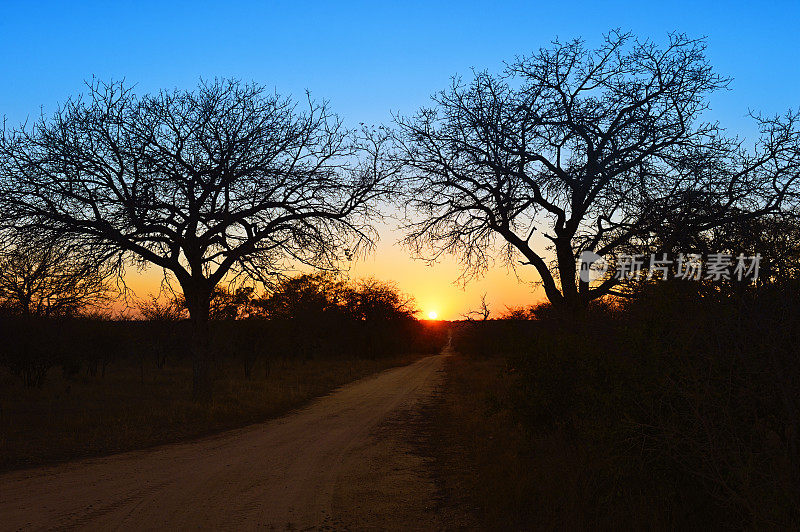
x=595 y=150
x=228 y=303
x=45 y=276
x=224 y=181
x=161 y=309
x=305 y=298
x=371 y=300
x=482 y=313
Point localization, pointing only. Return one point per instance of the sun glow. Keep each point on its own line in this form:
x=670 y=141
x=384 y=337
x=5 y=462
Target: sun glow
x=432 y=315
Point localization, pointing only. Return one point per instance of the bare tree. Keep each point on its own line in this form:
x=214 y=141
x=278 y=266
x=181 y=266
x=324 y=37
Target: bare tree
x=482 y=313
x=592 y=149
x=49 y=277
x=161 y=309
x=775 y=238
x=225 y=181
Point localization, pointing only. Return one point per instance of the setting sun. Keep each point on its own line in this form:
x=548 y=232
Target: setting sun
x=432 y=315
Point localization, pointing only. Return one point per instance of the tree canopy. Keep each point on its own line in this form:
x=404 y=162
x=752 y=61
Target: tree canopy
x=595 y=150
x=224 y=181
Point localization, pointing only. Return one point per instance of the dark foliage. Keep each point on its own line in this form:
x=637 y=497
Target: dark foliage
x=679 y=410
x=310 y=316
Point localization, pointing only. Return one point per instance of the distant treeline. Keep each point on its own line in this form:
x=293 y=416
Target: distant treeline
x=309 y=316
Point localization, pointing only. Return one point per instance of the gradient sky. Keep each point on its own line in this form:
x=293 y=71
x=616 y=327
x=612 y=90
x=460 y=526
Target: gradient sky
x=370 y=59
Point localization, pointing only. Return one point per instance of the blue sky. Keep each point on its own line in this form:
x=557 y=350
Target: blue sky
x=369 y=59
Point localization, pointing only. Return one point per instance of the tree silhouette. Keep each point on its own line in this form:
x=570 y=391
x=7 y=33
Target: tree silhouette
x=592 y=149
x=482 y=313
x=306 y=298
x=162 y=309
x=225 y=181
x=44 y=276
x=373 y=301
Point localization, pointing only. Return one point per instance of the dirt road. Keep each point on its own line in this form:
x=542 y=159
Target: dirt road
x=341 y=462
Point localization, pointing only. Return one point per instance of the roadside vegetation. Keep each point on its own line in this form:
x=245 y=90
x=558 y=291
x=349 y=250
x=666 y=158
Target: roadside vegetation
x=650 y=401
x=670 y=410
x=78 y=386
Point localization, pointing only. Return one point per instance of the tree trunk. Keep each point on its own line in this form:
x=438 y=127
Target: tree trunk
x=583 y=292
x=198 y=302
x=567 y=272
x=201 y=361
x=573 y=298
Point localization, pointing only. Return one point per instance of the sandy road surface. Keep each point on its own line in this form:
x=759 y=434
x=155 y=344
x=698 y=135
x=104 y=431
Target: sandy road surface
x=332 y=465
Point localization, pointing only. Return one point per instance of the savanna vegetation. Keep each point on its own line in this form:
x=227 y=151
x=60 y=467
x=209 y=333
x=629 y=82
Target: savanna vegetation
x=646 y=400
x=669 y=410
x=79 y=385
x=652 y=401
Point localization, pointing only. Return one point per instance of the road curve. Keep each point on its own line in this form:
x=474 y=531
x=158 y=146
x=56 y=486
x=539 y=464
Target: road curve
x=284 y=473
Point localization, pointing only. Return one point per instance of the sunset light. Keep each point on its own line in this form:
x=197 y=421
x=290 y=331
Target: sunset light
x=399 y=265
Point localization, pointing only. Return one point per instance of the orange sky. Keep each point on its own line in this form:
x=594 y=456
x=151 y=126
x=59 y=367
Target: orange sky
x=433 y=287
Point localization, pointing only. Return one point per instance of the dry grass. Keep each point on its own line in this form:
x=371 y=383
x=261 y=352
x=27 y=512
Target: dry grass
x=514 y=478
x=671 y=414
x=89 y=416
x=480 y=445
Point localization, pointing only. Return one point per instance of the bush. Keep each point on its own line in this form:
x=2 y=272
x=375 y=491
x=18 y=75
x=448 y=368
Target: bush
x=682 y=410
